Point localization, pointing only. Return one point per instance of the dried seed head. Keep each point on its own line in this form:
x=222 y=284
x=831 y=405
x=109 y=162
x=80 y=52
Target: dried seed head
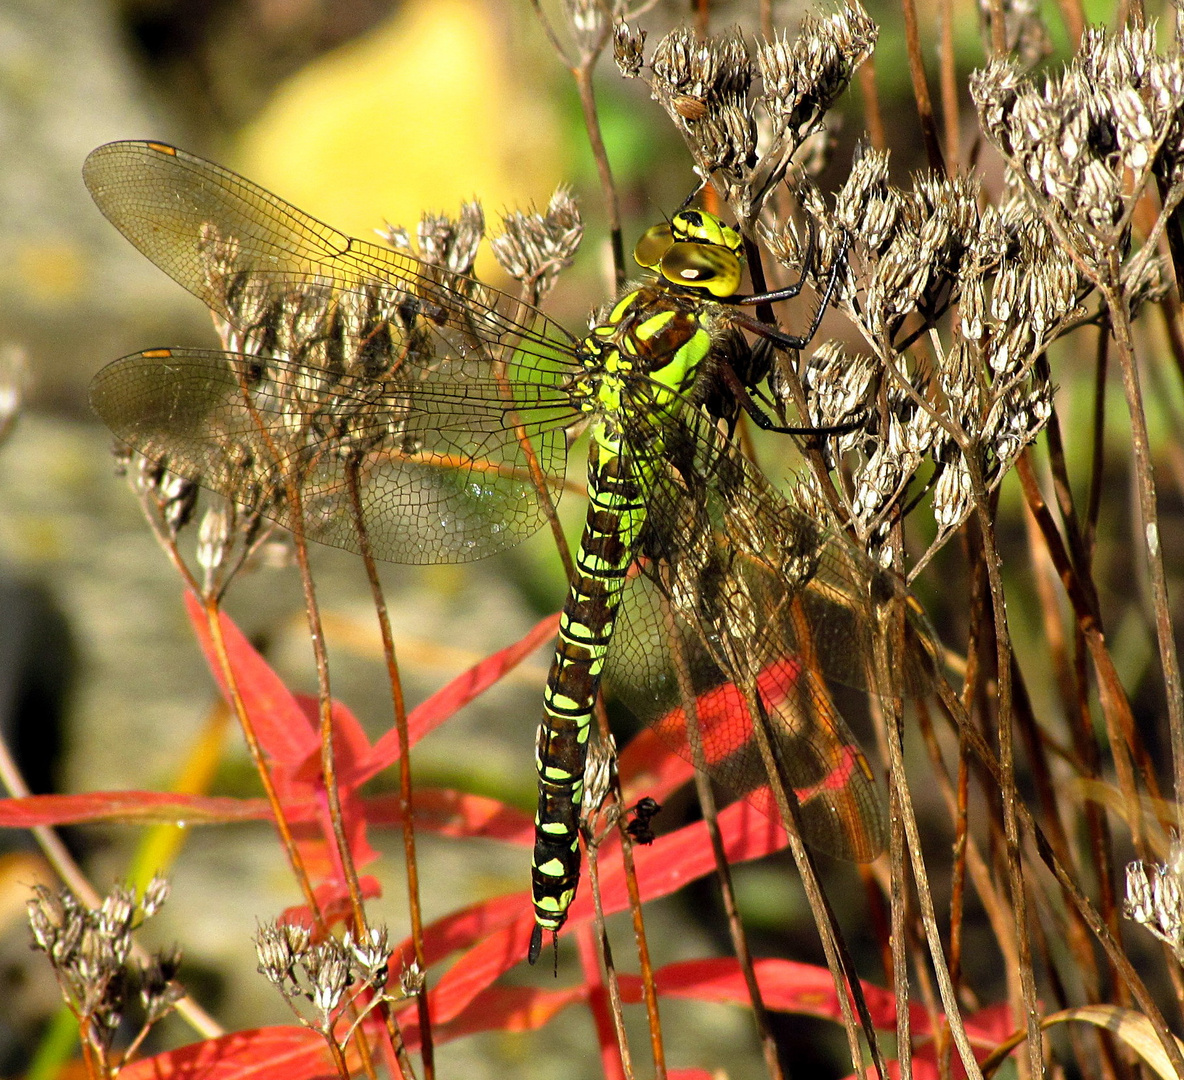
x=159 y=991
x=275 y=954
x=371 y=955
x=629 y=49
x=155 y=895
x=441 y=241
x=588 y=20
x=327 y=968
x=535 y=247
x=412 y=980
x=598 y=775
x=1086 y=143
x=1153 y=899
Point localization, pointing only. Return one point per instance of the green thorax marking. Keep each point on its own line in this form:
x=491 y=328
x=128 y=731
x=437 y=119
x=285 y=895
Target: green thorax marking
x=647 y=351
x=650 y=347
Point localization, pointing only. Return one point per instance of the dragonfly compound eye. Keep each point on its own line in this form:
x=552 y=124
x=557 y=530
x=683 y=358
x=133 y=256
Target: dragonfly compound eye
x=654 y=243
x=705 y=228
x=702 y=266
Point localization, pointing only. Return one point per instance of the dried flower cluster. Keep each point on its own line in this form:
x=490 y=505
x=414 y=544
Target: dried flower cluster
x=331 y=975
x=445 y=243
x=1153 y=898
x=742 y=137
x=911 y=256
x=89 y=950
x=1084 y=146
x=534 y=248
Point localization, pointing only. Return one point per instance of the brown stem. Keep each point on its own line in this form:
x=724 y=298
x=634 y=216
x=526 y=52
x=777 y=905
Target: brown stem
x=723 y=871
x=406 y=804
x=616 y=1010
x=259 y=759
x=921 y=87
x=1149 y=515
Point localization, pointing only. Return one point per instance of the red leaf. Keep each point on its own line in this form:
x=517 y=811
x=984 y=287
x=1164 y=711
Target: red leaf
x=455 y=813
x=666 y=865
x=279 y=722
x=134 y=808
x=460 y=929
x=276 y=1053
x=458 y=693
x=502 y=1008
x=786 y=986
x=287 y=729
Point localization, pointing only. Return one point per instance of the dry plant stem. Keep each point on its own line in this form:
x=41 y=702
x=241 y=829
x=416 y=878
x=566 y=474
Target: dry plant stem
x=872 y=117
x=582 y=73
x=898 y=882
x=838 y=960
x=903 y=806
x=1149 y=514
x=210 y=605
x=766 y=19
x=1116 y=709
x=406 y=805
x=1073 y=16
x=949 y=87
x=325 y=705
x=1075 y=933
x=921 y=87
x=616 y=1010
x=998 y=28
x=1172 y=315
x=345 y=857
x=649 y=992
x=1111 y=945
x=1019 y=897
x=58 y=857
x=259 y=759
x=898 y=899
x=723 y=872
x=998 y=915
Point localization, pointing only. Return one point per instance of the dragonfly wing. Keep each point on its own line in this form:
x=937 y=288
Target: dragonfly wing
x=719 y=629
x=243 y=251
x=438 y=478
x=353 y=358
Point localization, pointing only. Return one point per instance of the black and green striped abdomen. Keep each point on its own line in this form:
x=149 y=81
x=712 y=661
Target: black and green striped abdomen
x=616 y=512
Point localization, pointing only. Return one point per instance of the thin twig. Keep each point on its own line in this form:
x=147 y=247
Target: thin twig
x=406 y=802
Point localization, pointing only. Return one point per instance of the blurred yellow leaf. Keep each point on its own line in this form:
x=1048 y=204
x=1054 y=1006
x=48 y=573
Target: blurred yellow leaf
x=424 y=112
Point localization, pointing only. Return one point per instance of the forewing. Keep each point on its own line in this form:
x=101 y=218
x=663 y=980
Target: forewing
x=243 y=250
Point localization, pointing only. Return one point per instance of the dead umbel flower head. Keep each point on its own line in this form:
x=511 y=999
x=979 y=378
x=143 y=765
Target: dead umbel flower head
x=956 y=303
x=1084 y=145
x=90 y=951
x=743 y=117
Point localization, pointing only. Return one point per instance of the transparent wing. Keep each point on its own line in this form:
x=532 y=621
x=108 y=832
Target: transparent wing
x=356 y=361
x=440 y=475
x=748 y=604
x=245 y=252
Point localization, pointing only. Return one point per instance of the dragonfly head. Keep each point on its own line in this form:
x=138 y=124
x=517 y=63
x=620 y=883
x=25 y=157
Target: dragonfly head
x=694 y=249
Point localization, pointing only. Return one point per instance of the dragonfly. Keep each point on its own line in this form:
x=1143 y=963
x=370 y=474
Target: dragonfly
x=428 y=414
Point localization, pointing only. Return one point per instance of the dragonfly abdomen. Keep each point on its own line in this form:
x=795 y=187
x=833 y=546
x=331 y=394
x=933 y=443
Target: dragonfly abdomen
x=616 y=512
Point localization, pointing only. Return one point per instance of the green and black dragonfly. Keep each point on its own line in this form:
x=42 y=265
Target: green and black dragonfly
x=433 y=412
